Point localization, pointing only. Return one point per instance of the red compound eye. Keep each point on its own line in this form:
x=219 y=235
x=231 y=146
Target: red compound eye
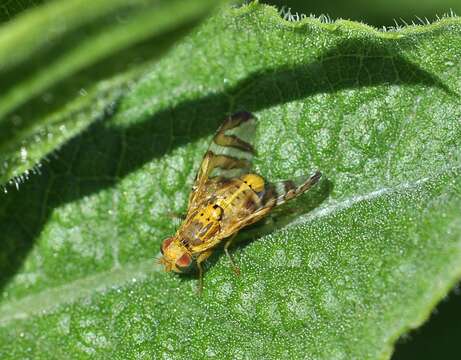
x=165 y=244
x=184 y=261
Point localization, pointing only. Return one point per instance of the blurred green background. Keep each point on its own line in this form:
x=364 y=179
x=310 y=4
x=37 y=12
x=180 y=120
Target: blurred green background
x=438 y=338
x=10 y=8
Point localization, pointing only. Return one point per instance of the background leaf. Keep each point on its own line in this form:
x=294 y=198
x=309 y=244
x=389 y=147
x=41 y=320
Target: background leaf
x=367 y=256
x=65 y=64
x=11 y=8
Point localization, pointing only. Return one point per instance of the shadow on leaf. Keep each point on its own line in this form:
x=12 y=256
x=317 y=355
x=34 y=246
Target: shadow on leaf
x=102 y=155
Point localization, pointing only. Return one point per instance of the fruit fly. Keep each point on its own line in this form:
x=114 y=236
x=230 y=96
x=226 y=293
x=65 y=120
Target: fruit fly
x=226 y=196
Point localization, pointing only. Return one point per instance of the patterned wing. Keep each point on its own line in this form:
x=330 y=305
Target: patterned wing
x=280 y=192
x=229 y=154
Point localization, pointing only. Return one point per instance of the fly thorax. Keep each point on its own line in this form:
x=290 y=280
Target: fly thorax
x=209 y=214
x=205 y=224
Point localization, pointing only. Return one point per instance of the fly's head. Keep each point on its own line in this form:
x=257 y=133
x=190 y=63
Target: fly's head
x=175 y=255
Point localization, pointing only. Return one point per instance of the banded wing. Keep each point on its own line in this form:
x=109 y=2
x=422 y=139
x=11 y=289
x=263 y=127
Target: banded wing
x=229 y=154
x=285 y=190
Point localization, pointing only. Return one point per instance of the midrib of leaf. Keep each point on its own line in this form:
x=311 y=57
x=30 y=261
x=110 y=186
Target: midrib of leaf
x=108 y=285
x=52 y=298
x=204 y=318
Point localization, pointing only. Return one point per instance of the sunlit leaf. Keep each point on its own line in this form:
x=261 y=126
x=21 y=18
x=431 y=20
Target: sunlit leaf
x=364 y=257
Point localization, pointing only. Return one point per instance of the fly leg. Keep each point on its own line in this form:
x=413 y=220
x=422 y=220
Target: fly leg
x=226 y=250
x=201 y=258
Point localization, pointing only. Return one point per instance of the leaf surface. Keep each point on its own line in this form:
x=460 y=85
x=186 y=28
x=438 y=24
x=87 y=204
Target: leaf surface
x=364 y=257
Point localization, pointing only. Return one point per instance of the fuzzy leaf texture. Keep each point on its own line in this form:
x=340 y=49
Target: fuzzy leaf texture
x=340 y=274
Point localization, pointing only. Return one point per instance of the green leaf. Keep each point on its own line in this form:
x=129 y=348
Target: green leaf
x=378 y=13
x=11 y=8
x=64 y=64
x=364 y=259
